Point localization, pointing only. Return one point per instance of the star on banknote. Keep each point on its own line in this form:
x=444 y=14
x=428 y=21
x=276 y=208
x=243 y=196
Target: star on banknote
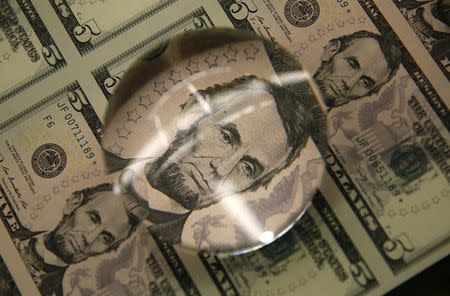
x=123 y=132
x=230 y=54
x=75 y=179
x=351 y=20
x=145 y=101
x=312 y=37
x=250 y=52
x=133 y=116
x=175 y=76
x=211 y=60
x=192 y=67
x=321 y=31
x=159 y=88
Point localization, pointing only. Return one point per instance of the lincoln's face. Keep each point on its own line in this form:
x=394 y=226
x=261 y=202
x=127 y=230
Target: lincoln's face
x=90 y=229
x=351 y=73
x=225 y=152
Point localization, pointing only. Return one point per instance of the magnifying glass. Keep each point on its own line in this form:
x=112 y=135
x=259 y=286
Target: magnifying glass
x=214 y=139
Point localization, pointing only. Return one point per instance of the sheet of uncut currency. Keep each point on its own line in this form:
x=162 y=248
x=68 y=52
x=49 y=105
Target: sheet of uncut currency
x=373 y=222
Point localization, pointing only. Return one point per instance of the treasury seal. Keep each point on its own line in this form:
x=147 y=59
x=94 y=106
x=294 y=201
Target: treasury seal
x=408 y=162
x=301 y=13
x=49 y=160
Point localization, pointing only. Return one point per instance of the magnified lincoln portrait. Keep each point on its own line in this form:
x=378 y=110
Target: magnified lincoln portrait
x=238 y=136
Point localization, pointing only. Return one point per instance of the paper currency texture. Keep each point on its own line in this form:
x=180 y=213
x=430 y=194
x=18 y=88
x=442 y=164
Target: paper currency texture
x=377 y=219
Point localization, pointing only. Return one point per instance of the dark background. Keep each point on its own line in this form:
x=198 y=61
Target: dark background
x=432 y=281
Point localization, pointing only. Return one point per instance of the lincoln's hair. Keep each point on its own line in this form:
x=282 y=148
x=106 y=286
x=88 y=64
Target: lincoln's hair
x=90 y=193
x=391 y=53
x=291 y=106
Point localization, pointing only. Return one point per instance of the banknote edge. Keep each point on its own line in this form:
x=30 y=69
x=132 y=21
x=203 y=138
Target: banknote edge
x=129 y=24
x=145 y=44
x=441 y=67
x=28 y=82
x=37 y=107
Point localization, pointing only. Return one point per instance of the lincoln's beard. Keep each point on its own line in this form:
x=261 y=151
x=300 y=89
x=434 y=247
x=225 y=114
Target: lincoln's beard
x=319 y=76
x=56 y=243
x=166 y=175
